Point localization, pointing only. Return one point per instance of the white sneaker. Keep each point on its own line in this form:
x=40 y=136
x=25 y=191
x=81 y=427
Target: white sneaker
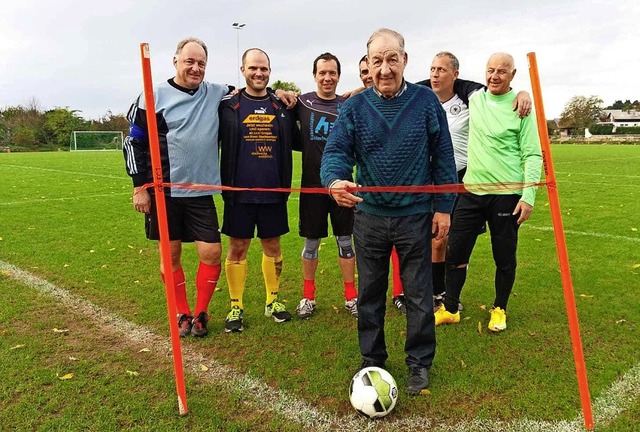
x=306 y=308
x=352 y=307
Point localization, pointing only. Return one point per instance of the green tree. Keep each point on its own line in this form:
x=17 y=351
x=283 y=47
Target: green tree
x=286 y=85
x=581 y=112
x=59 y=123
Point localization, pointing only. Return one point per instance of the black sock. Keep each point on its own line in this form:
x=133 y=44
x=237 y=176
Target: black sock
x=437 y=275
x=455 y=280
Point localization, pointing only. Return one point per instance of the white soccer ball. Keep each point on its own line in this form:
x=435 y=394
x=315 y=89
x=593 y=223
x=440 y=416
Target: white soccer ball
x=373 y=392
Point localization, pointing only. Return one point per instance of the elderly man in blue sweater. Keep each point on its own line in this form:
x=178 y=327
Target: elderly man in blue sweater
x=396 y=134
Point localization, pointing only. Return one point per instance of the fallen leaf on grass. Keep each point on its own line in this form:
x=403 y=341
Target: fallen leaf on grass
x=335 y=308
x=132 y=373
x=89 y=282
x=73 y=358
x=532 y=333
x=91 y=251
x=479 y=327
x=112 y=249
x=17 y=347
x=586 y=296
x=144 y=350
x=632 y=229
x=425 y=392
x=103 y=266
x=203 y=368
x=483 y=307
x=466 y=318
x=57 y=330
x=635 y=266
x=6 y=273
x=320 y=246
x=620 y=321
x=65 y=376
x=463 y=364
x=66 y=265
x=1 y=239
x=130 y=247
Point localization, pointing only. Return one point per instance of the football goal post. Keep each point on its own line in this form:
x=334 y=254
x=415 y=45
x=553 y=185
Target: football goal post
x=96 y=140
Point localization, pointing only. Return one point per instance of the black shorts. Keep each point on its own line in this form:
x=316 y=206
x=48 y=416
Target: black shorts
x=189 y=219
x=461 y=173
x=314 y=209
x=471 y=215
x=240 y=220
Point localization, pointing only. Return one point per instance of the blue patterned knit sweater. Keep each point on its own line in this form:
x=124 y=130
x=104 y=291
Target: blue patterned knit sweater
x=393 y=142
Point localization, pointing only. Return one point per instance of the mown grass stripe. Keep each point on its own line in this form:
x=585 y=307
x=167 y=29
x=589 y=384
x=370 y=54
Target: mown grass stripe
x=616 y=399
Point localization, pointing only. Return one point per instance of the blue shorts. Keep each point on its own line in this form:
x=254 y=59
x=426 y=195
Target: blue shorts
x=240 y=220
x=189 y=219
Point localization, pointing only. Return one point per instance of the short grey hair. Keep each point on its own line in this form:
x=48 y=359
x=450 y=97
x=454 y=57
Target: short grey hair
x=389 y=32
x=455 y=64
x=185 y=41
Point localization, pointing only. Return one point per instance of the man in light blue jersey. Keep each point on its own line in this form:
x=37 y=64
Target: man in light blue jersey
x=186 y=112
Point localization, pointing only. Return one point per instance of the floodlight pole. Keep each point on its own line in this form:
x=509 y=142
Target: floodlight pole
x=238 y=27
x=561 y=245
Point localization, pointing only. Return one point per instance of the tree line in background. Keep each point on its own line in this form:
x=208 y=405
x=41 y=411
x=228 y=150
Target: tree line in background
x=583 y=112
x=28 y=127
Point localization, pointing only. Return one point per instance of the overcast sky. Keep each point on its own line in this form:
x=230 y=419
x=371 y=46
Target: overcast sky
x=85 y=54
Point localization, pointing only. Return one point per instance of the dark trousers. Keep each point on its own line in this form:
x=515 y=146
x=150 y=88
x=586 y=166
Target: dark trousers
x=374 y=236
x=471 y=214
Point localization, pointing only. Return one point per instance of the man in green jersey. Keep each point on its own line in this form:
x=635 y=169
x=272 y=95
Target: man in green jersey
x=503 y=149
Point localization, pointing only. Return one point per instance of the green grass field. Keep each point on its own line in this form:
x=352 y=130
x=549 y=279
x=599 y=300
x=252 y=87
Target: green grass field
x=67 y=218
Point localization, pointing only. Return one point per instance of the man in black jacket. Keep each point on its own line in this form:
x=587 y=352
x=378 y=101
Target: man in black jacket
x=257 y=134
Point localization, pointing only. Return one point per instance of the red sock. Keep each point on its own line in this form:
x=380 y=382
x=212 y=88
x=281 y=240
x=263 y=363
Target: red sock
x=180 y=290
x=350 y=291
x=309 y=289
x=206 y=281
x=397 y=282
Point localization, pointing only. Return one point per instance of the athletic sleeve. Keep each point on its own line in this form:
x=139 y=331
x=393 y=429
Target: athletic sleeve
x=443 y=165
x=531 y=157
x=338 y=158
x=136 y=144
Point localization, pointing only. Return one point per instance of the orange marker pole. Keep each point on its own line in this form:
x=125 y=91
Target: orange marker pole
x=561 y=245
x=163 y=226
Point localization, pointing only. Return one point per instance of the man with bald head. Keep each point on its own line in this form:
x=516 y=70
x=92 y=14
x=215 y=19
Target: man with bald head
x=396 y=134
x=502 y=149
x=257 y=134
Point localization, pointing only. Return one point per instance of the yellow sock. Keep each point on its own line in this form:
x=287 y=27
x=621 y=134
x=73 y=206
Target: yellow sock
x=271 y=270
x=236 y=272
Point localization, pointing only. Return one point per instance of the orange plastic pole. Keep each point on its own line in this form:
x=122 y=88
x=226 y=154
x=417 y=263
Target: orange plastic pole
x=561 y=245
x=165 y=251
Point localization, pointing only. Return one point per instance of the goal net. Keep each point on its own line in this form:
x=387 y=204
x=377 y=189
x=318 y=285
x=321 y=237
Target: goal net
x=96 y=140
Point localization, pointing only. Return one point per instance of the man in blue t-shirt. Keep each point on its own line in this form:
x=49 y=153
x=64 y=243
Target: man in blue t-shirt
x=188 y=138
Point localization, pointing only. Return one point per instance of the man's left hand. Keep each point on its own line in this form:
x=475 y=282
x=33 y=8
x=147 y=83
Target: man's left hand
x=289 y=98
x=440 y=225
x=524 y=210
x=522 y=103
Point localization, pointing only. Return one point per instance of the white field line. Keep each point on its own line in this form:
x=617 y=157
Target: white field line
x=39 y=200
x=614 y=400
x=89 y=174
x=592 y=174
x=588 y=234
x=586 y=161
